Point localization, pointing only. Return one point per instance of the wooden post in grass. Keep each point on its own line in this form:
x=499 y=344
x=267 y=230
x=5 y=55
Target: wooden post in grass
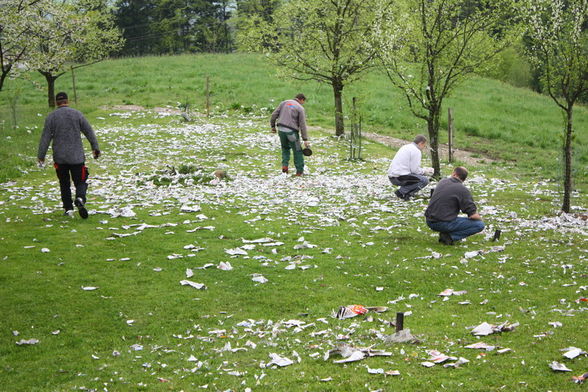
x=207 y=96
x=399 y=321
x=73 y=82
x=450 y=134
x=355 y=137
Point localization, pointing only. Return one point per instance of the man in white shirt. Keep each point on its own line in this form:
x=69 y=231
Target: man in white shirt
x=405 y=170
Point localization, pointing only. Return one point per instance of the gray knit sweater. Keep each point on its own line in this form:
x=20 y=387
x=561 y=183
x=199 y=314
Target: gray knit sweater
x=64 y=126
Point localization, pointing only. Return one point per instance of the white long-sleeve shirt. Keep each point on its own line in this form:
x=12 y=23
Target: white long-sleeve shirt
x=406 y=161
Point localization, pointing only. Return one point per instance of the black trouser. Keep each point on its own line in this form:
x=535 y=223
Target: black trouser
x=79 y=175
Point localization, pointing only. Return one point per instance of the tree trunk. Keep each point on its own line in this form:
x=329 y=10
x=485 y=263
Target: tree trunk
x=433 y=128
x=4 y=75
x=567 y=150
x=338 y=93
x=50 y=87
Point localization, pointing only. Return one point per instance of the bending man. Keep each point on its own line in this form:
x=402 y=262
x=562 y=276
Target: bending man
x=451 y=197
x=291 y=122
x=405 y=170
x=64 y=126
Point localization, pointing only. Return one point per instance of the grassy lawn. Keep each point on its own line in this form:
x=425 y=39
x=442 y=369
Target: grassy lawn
x=491 y=117
x=338 y=237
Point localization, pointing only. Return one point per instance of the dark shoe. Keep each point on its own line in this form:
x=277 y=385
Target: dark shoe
x=496 y=235
x=445 y=238
x=285 y=169
x=81 y=209
x=401 y=196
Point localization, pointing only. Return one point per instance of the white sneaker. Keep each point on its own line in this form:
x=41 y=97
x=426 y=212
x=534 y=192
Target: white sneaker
x=69 y=213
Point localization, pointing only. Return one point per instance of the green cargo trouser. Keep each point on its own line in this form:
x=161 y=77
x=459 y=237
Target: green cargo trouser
x=290 y=140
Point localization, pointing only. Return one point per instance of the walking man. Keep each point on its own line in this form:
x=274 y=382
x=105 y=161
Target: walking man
x=405 y=170
x=451 y=197
x=63 y=126
x=290 y=119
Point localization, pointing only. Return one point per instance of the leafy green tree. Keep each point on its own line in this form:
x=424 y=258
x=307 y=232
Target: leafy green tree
x=444 y=41
x=15 y=26
x=252 y=21
x=63 y=34
x=326 y=41
x=559 y=52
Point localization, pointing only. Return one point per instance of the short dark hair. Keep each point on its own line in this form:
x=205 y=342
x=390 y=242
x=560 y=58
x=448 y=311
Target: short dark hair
x=461 y=172
x=419 y=139
x=300 y=97
x=61 y=96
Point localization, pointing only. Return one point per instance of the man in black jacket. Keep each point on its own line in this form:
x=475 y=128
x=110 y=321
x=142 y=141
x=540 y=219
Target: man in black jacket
x=451 y=197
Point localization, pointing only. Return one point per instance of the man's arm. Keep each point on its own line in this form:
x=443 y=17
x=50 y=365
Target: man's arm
x=302 y=124
x=46 y=137
x=275 y=116
x=468 y=206
x=87 y=130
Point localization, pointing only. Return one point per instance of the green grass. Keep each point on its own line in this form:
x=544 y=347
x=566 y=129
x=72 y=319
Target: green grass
x=491 y=117
x=376 y=241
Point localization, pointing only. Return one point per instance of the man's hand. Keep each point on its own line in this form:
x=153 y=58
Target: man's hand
x=475 y=216
x=306 y=143
x=96 y=153
x=274 y=130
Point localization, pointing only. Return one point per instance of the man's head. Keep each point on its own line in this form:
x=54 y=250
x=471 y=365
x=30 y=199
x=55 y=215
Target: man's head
x=300 y=98
x=61 y=99
x=420 y=141
x=460 y=172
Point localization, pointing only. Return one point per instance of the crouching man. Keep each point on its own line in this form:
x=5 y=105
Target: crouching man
x=405 y=169
x=451 y=197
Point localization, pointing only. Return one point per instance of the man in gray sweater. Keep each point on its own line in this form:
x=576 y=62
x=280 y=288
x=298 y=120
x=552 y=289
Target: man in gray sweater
x=291 y=122
x=451 y=197
x=64 y=127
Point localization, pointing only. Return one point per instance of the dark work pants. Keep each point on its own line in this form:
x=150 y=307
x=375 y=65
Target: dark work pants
x=79 y=175
x=409 y=184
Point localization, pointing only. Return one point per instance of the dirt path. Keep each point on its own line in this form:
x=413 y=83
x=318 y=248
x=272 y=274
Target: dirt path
x=459 y=155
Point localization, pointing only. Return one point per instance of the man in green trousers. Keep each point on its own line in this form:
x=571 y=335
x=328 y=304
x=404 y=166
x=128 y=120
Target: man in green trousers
x=290 y=119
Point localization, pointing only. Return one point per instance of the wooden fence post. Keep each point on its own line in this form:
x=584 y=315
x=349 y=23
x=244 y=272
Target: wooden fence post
x=73 y=82
x=207 y=96
x=399 y=321
x=450 y=133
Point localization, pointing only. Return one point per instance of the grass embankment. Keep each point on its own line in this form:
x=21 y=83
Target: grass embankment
x=141 y=330
x=493 y=118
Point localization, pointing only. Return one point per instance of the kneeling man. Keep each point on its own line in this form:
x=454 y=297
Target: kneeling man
x=405 y=169
x=451 y=197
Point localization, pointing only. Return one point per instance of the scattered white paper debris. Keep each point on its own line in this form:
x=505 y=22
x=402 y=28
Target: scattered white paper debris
x=259 y=278
x=236 y=252
x=573 y=352
x=199 y=286
x=559 y=367
x=187 y=208
x=279 y=361
x=23 y=342
x=225 y=266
